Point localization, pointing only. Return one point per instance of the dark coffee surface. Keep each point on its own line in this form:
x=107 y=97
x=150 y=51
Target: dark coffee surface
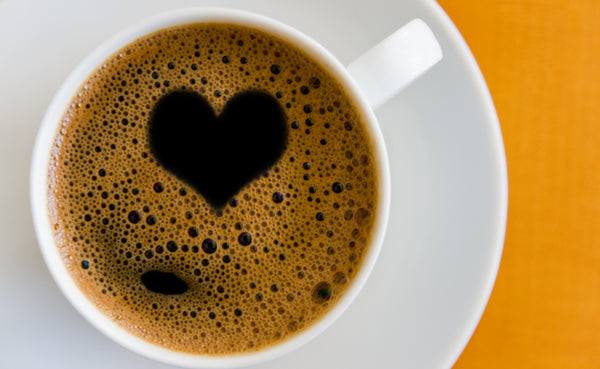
x=217 y=245
x=247 y=138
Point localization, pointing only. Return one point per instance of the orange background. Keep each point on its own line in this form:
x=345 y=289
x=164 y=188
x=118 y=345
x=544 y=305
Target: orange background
x=541 y=60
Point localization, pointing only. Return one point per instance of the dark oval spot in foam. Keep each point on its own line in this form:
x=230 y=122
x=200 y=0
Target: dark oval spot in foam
x=165 y=283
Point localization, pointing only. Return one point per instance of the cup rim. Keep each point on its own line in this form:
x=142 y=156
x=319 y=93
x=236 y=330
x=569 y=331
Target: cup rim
x=39 y=183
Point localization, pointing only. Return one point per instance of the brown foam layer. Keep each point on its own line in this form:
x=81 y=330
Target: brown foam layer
x=287 y=246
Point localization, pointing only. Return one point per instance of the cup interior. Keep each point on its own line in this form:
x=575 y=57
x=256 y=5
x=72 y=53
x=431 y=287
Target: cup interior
x=39 y=183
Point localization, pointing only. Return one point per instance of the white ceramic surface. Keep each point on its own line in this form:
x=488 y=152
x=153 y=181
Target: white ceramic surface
x=444 y=243
x=45 y=141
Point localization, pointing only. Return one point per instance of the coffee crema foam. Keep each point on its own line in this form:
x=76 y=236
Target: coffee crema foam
x=260 y=270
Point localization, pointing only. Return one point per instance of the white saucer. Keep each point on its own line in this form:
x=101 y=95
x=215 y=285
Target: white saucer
x=441 y=255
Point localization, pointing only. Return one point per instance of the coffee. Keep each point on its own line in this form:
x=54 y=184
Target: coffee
x=212 y=189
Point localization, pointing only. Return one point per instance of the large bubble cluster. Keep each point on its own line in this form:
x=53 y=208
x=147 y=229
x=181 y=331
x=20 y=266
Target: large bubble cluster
x=153 y=255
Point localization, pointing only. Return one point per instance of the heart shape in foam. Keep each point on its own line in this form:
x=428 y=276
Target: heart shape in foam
x=217 y=155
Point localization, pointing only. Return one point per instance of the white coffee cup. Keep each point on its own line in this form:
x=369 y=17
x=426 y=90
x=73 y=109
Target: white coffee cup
x=370 y=81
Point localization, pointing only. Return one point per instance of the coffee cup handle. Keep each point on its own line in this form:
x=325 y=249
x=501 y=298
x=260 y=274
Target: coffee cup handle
x=391 y=65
